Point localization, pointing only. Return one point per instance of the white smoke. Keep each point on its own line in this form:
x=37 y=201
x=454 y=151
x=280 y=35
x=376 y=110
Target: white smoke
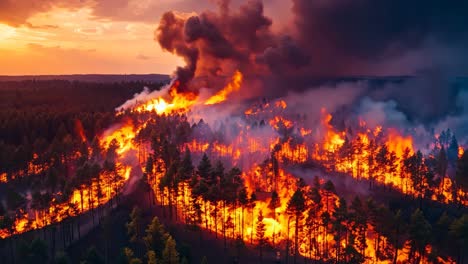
x=145 y=96
x=458 y=122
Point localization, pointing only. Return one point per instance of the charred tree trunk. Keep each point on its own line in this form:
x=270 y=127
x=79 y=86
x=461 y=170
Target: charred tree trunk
x=216 y=220
x=296 y=239
x=395 y=257
x=242 y=224
x=224 y=224
x=287 y=243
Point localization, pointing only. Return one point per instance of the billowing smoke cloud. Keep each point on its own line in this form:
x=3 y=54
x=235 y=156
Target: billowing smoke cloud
x=215 y=44
x=329 y=39
x=352 y=37
x=457 y=122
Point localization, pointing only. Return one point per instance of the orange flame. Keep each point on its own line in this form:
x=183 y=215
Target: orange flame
x=79 y=130
x=233 y=86
x=176 y=102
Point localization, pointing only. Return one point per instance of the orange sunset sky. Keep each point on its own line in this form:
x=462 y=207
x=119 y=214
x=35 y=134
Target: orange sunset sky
x=91 y=36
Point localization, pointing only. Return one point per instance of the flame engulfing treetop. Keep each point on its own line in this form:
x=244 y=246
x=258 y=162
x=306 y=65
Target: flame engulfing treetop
x=170 y=99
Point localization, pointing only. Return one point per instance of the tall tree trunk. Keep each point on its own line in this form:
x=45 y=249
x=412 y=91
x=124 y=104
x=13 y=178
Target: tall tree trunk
x=224 y=224
x=81 y=198
x=287 y=243
x=90 y=200
x=296 y=239
x=242 y=224
x=395 y=257
x=252 y=227
x=206 y=214
x=169 y=190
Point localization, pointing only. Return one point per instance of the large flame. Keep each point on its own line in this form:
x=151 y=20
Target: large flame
x=233 y=86
x=174 y=102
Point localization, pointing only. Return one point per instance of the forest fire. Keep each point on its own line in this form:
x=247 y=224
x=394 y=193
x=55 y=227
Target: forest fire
x=265 y=192
x=249 y=193
x=289 y=132
x=100 y=185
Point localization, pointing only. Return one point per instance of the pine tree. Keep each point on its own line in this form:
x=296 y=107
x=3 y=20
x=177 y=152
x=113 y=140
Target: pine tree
x=461 y=176
x=134 y=225
x=170 y=254
x=251 y=205
x=186 y=166
x=397 y=227
x=92 y=257
x=204 y=168
x=296 y=207
x=274 y=203
x=243 y=201
x=416 y=168
x=459 y=230
x=260 y=234
x=419 y=234
x=151 y=255
x=129 y=255
x=358 y=216
x=329 y=190
x=339 y=223
x=452 y=151
x=155 y=237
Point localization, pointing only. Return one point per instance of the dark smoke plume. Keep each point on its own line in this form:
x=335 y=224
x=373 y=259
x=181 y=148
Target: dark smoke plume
x=348 y=36
x=326 y=40
x=216 y=44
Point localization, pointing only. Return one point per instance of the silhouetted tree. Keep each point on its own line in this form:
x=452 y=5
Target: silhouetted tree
x=260 y=235
x=296 y=207
x=419 y=235
x=459 y=230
